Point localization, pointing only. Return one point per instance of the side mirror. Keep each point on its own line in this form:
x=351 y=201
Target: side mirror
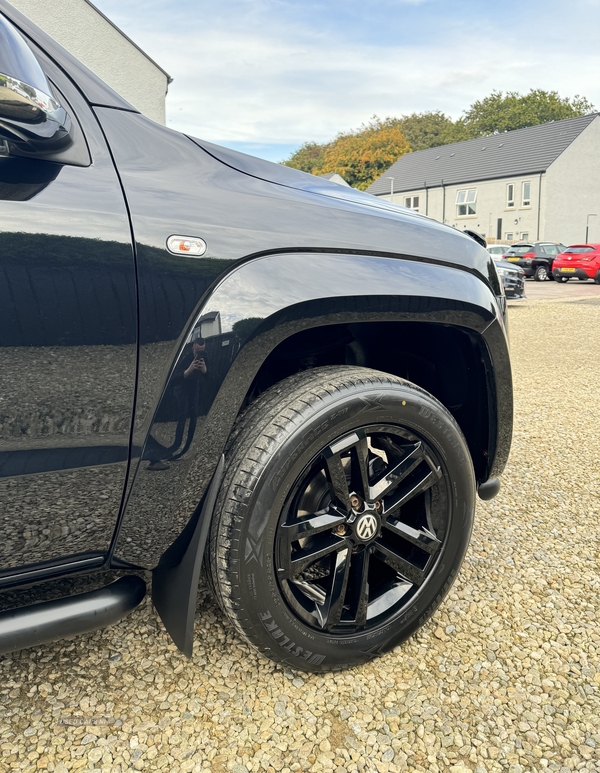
x=31 y=120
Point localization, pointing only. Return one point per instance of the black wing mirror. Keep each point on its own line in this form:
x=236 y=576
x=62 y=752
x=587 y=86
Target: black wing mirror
x=31 y=119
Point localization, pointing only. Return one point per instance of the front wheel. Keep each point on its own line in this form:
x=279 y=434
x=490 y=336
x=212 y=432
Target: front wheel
x=540 y=274
x=343 y=518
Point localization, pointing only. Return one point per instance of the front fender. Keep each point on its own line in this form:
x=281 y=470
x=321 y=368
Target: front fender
x=253 y=309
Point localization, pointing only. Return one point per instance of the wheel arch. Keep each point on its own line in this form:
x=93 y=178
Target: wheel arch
x=265 y=304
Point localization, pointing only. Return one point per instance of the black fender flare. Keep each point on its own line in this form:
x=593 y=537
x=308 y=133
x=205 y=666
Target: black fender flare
x=279 y=295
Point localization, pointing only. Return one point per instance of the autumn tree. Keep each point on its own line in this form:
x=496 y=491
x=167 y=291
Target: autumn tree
x=360 y=156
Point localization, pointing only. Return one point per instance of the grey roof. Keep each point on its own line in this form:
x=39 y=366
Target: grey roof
x=523 y=151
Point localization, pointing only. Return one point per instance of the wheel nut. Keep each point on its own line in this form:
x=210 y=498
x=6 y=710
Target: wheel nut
x=378 y=505
x=340 y=530
x=356 y=501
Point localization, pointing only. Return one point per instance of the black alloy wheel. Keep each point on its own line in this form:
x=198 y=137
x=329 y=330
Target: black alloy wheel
x=361 y=529
x=343 y=518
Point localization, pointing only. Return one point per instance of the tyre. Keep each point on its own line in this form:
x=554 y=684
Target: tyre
x=583 y=278
x=560 y=279
x=540 y=274
x=343 y=518
x=597 y=278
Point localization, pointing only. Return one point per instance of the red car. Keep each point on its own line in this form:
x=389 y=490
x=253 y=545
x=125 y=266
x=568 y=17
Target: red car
x=579 y=260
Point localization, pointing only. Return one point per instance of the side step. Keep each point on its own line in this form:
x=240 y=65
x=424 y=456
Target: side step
x=63 y=618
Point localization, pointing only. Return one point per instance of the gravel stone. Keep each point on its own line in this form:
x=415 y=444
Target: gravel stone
x=505 y=677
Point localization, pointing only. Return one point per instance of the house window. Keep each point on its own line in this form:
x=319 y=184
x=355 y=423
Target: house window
x=526 y=194
x=510 y=237
x=525 y=235
x=412 y=202
x=466 y=202
x=510 y=195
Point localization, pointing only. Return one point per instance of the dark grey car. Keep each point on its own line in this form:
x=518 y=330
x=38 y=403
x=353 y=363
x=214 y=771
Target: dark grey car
x=512 y=278
x=535 y=258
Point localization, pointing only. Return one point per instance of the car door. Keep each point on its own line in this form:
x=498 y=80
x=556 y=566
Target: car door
x=67 y=351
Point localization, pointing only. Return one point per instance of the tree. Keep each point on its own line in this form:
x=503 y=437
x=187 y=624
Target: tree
x=427 y=130
x=505 y=112
x=359 y=156
x=308 y=158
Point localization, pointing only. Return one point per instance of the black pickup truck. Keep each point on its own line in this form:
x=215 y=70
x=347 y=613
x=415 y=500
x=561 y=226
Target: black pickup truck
x=211 y=362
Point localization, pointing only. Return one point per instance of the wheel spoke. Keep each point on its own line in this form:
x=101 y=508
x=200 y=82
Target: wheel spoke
x=302 y=559
x=360 y=468
x=359 y=588
x=337 y=480
x=426 y=481
x=309 y=525
x=401 y=565
x=396 y=475
x=422 y=538
x=331 y=612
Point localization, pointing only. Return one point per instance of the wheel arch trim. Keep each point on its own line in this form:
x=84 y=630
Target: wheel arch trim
x=283 y=294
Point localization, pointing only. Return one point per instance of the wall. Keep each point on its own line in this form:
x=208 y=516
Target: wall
x=77 y=26
x=574 y=190
x=490 y=205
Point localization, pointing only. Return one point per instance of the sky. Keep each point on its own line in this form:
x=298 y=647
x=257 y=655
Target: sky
x=265 y=76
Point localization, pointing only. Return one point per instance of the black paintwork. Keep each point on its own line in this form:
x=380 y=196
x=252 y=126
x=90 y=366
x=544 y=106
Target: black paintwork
x=67 y=351
x=108 y=450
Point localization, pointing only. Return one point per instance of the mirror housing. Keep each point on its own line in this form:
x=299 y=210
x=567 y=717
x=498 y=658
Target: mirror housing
x=31 y=120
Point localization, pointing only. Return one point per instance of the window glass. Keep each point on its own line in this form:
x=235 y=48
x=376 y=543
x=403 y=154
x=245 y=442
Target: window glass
x=465 y=202
x=579 y=250
x=520 y=249
x=525 y=235
x=407 y=201
x=415 y=202
x=509 y=237
x=526 y=194
x=510 y=195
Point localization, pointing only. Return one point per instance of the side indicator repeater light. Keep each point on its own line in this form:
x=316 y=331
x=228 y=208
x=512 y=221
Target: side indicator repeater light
x=191 y=246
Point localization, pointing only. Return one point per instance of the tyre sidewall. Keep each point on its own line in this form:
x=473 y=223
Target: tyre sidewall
x=268 y=614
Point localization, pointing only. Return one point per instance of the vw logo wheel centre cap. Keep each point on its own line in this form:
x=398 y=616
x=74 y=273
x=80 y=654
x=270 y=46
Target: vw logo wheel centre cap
x=366 y=527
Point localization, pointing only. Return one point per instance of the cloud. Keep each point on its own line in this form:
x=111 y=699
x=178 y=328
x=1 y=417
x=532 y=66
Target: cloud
x=275 y=71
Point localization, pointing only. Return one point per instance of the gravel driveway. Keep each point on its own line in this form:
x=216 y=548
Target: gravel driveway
x=505 y=677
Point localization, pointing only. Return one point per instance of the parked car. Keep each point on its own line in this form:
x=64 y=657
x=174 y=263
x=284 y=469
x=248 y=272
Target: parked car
x=498 y=250
x=513 y=279
x=535 y=258
x=581 y=261
x=212 y=360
